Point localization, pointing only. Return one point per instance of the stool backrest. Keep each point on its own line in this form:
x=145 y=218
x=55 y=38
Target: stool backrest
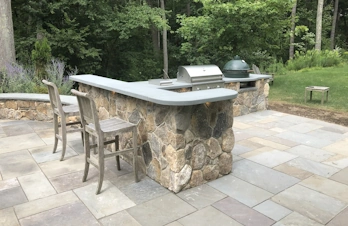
x=54 y=97
x=256 y=69
x=88 y=110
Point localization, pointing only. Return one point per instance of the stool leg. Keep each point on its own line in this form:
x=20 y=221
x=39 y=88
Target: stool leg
x=135 y=150
x=305 y=96
x=310 y=95
x=101 y=164
x=82 y=138
x=56 y=132
x=87 y=155
x=63 y=123
x=327 y=96
x=117 y=147
x=322 y=97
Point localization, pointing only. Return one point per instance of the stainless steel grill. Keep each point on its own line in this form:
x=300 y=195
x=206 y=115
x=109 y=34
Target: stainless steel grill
x=201 y=76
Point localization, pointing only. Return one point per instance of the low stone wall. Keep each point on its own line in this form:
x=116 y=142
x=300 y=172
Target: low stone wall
x=26 y=106
x=25 y=110
x=180 y=146
x=250 y=99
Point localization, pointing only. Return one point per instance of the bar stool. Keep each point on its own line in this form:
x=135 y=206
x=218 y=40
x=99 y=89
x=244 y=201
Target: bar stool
x=100 y=130
x=63 y=112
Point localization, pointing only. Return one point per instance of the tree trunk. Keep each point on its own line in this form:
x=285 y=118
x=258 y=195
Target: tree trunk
x=7 y=53
x=319 y=24
x=156 y=42
x=188 y=8
x=292 y=32
x=333 y=28
x=164 y=39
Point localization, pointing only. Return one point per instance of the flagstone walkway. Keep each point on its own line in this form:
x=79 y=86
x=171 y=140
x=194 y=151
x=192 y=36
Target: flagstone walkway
x=287 y=170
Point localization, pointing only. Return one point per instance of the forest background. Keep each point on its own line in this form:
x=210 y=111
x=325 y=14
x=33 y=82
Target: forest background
x=137 y=40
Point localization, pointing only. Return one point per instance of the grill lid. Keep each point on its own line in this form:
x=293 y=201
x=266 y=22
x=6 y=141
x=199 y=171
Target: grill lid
x=201 y=76
x=236 y=68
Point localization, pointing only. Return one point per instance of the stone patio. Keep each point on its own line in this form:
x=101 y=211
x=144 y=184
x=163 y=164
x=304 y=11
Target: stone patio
x=287 y=170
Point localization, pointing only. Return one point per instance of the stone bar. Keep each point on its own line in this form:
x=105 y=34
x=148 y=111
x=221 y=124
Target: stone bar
x=185 y=137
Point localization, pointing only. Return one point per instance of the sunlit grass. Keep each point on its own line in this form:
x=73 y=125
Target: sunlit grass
x=291 y=87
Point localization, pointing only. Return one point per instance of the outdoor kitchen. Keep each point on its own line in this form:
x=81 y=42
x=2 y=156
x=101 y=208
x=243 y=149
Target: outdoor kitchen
x=185 y=124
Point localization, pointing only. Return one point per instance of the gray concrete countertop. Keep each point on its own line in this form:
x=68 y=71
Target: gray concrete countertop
x=177 y=85
x=252 y=77
x=155 y=93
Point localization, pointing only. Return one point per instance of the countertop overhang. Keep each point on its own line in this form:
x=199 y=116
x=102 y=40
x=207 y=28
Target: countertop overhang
x=162 y=94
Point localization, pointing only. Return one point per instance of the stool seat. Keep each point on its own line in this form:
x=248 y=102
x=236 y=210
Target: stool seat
x=111 y=126
x=71 y=110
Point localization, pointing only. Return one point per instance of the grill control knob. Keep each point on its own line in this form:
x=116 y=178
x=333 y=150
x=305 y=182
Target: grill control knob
x=217 y=86
x=208 y=87
x=198 y=88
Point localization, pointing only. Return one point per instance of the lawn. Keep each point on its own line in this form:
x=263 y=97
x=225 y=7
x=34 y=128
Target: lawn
x=290 y=88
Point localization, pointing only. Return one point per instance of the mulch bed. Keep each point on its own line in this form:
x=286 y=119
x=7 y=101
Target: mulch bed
x=336 y=117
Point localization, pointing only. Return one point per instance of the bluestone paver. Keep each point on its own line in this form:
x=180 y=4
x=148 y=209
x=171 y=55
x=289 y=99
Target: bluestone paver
x=287 y=170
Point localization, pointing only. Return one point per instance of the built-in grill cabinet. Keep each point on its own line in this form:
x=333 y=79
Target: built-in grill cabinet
x=201 y=76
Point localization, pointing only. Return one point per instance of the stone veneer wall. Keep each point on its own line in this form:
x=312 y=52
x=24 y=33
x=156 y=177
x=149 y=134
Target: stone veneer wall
x=181 y=146
x=27 y=110
x=250 y=100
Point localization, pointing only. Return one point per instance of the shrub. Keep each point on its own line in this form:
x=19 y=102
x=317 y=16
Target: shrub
x=41 y=55
x=55 y=73
x=277 y=67
x=314 y=58
x=19 y=79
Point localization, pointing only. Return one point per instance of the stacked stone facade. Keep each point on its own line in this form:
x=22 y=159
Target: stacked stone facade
x=28 y=110
x=25 y=110
x=180 y=146
x=250 y=99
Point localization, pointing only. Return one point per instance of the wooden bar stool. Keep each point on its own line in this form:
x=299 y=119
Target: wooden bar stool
x=63 y=112
x=100 y=130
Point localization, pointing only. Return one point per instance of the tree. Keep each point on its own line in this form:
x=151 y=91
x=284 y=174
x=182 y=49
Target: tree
x=164 y=40
x=7 y=53
x=292 y=35
x=252 y=29
x=319 y=22
x=333 y=27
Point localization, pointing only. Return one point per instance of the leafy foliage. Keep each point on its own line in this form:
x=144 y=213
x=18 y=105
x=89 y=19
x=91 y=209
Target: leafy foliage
x=229 y=28
x=17 y=79
x=122 y=39
x=276 y=67
x=314 y=58
x=40 y=55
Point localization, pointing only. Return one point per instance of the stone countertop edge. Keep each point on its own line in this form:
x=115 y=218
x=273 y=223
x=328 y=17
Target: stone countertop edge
x=155 y=94
x=65 y=99
x=178 y=85
x=251 y=78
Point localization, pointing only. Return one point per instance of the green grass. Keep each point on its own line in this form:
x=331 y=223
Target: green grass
x=291 y=87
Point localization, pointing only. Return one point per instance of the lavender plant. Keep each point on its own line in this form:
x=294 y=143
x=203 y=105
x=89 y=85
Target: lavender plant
x=17 y=79
x=55 y=73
